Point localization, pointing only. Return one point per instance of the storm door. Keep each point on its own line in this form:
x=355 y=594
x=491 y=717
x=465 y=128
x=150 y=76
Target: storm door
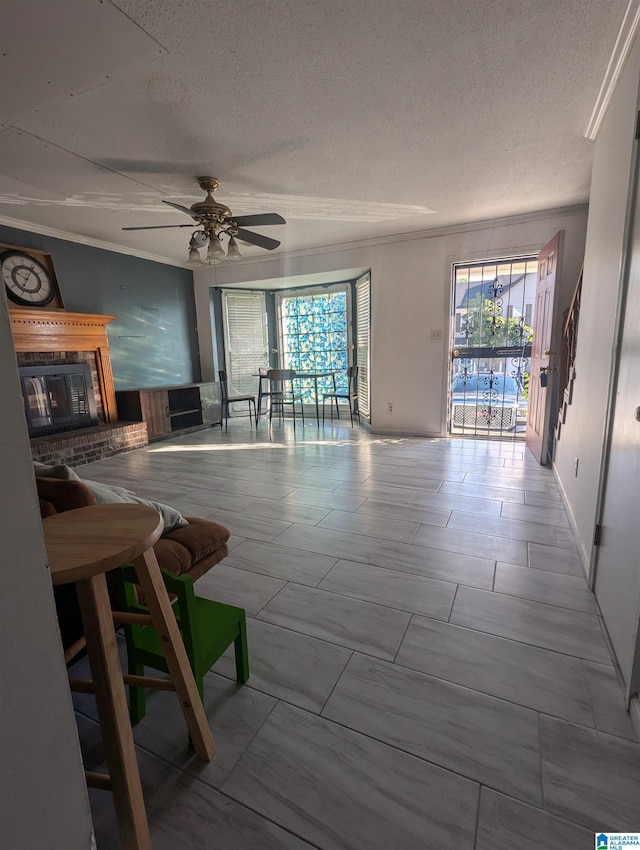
x=492 y=309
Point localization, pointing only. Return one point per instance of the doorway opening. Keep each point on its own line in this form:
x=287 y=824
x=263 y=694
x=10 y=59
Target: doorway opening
x=492 y=318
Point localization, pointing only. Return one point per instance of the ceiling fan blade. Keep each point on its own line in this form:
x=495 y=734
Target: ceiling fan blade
x=256 y=220
x=157 y=227
x=181 y=208
x=257 y=239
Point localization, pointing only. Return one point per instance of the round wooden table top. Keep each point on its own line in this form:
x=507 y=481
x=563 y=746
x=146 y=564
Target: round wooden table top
x=88 y=541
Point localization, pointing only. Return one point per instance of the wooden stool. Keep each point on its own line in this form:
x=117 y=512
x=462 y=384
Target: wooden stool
x=82 y=545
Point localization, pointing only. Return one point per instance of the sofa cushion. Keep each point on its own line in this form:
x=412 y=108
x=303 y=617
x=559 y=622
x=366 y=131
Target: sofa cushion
x=47 y=509
x=201 y=537
x=172 y=556
x=64 y=495
x=204 y=564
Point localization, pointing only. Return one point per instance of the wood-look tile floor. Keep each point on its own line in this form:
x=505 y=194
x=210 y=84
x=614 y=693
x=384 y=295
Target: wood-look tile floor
x=429 y=668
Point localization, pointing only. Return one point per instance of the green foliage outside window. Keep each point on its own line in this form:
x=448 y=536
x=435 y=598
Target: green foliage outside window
x=484 y=325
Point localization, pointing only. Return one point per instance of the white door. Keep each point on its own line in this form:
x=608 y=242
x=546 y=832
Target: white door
x=246 y=342
x=617 y=583
x=544 y=362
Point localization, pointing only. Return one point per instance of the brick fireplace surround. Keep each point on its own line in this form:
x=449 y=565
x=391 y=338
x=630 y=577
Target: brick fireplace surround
x=57 y=337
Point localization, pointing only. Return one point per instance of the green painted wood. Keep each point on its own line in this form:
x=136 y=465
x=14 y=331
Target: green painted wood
x=207 y=627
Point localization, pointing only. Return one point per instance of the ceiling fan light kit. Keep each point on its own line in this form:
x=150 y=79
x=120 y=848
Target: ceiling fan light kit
x=216 y=219
x=215 y=252
x=233 y=252
x=194 y=254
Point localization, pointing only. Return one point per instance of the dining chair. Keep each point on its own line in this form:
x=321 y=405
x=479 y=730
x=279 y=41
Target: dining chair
x=349 y=394
x=230 y=399
x=283 y=391
x=268 y=394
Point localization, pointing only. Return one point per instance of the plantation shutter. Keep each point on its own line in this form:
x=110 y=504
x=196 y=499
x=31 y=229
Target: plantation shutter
x=363 y=335
x=246 y=342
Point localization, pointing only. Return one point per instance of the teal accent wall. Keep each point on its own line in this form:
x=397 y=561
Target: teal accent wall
x=154 y=339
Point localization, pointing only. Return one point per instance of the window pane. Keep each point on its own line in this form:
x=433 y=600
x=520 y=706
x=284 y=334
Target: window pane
x=314 y=332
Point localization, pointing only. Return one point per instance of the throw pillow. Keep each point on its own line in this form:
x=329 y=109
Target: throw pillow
x=108 y=494
x=65 y=473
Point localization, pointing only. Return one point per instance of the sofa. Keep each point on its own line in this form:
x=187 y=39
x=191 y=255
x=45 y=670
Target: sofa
x=192 y=548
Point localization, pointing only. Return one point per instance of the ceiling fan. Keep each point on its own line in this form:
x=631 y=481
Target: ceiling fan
x=215 y=220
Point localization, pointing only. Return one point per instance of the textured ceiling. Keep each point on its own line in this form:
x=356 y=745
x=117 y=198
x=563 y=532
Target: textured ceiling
x=353 y=120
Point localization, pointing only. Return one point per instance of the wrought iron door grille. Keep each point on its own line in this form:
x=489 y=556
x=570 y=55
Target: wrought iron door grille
x=492 y=318
x=483 y=417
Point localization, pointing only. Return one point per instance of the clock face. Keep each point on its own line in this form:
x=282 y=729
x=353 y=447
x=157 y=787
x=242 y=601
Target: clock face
x=27 y=281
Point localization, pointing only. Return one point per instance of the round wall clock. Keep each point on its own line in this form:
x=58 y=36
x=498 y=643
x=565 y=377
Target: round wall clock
x=27 y=281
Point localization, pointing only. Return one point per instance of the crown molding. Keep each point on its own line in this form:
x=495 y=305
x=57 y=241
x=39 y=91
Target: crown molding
x=448 y=230
x=624 y=42
x=18 y=224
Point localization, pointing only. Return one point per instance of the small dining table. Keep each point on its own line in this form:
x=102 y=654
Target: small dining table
x=327 y=373
x=315 y=375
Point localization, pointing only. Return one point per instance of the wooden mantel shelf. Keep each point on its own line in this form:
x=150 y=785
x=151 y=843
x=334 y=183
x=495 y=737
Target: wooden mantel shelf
x=69 y=331
x=35 y=330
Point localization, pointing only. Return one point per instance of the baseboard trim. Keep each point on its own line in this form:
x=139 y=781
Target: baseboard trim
x=584 y=557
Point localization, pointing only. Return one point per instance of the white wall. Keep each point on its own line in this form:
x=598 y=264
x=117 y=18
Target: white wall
x=582 y=434
x=44 y=800
x=410 y=292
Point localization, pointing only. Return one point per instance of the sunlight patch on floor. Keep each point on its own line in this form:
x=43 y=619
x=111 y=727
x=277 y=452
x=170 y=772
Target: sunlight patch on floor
x=228 y=447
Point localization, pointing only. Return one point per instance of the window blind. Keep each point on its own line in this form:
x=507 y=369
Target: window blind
x=245 y=339
x=363 y=336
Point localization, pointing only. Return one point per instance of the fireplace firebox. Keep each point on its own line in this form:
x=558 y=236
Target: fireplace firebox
x=58 y=398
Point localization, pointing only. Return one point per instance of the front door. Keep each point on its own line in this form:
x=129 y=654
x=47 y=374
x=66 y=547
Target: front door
x=617 y=583
x=543 y=380
x=492 y=306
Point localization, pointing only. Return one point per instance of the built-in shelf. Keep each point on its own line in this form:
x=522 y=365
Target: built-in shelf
x=183 y=412
x=171 y=410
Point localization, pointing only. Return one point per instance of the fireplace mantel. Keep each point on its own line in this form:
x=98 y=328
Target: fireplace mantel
x=59 y=330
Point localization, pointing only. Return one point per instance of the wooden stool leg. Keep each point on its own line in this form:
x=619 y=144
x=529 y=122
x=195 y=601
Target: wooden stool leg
x=113 y=713
x=164 y=622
